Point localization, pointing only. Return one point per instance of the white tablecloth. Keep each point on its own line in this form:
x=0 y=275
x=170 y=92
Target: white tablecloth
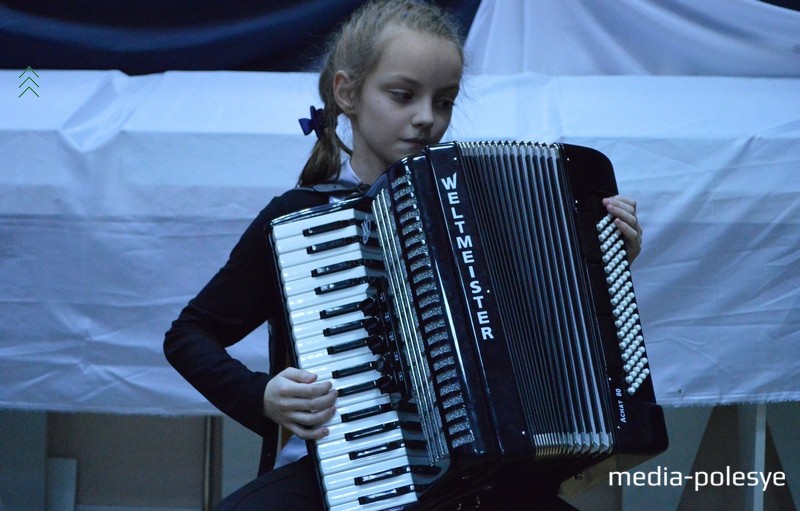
x=120 y=196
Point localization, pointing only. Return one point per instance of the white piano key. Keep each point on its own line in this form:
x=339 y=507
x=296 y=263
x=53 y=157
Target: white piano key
x=296 y=228
x=320 y=325
x=378 y=506
x=297 y=287
x=357 y=379
x=300 y=316
x=305 y=267
x=341 y=446
x=346 y=478
x=338 y=430
x=313 y=248
x=325 y=370
x=346 y=495
x=319 y=342
x=352 y=408
x=286 y=246
x=319 y=357
x=367 y=397
x=342 y=462
x=343 y=253
x=311 y=299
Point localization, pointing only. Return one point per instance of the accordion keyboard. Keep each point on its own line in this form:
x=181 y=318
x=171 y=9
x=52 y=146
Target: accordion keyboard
x=328 y=265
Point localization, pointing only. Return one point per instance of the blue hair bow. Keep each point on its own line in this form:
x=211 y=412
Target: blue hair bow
x=316 y=123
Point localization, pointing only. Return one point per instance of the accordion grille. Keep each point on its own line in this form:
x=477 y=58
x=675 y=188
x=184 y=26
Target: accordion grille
x=523 y=209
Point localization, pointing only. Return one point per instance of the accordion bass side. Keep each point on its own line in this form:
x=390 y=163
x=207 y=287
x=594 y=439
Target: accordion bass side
x=476 y=313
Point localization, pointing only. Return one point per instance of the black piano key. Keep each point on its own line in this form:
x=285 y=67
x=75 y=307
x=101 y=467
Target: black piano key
x=372 y=430
x=388 y=494
x=341 y=242
x=344 y=265
x=330 y=245
x=343 y=328
x=333 y=268
x=385 y=384
x=347 y=346
x=356 y=369
x=343 y=284
x=397 y=471
x=339 y=310
x=361 y=387
x=330 y=226
x=370 y=411
x=380 y=476
x=376 y=449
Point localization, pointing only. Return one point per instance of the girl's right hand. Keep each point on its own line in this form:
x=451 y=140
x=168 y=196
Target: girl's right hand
x=294 y=401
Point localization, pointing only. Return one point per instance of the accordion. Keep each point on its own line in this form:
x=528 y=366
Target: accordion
x=475 y=311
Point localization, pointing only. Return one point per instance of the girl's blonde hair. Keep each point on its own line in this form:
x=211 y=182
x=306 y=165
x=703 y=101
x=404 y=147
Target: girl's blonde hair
x=355 y=48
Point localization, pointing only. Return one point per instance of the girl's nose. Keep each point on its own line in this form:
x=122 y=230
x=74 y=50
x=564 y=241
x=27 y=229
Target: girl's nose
x=423 y=115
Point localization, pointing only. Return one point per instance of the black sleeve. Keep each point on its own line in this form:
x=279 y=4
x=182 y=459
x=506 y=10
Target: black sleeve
x=239 y=298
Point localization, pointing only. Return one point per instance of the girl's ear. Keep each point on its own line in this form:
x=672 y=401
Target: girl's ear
x=343 y=92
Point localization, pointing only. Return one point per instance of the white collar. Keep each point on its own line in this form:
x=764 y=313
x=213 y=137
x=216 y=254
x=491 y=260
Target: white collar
x=347 y=174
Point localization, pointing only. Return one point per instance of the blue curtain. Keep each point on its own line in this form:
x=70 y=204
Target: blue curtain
x=150 y=36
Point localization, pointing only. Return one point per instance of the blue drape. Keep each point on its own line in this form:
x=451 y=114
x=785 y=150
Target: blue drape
x=150 y=36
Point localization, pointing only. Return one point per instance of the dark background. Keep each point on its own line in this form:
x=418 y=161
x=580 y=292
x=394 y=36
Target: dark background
x=151 y=36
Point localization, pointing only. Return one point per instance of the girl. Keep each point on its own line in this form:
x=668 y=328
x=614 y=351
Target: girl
x=394 y=70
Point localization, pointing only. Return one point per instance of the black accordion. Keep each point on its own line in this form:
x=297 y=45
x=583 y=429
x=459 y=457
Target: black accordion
x=475 y=311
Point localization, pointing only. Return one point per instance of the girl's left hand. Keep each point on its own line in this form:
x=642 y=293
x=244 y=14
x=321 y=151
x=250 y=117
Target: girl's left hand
x=623 y=209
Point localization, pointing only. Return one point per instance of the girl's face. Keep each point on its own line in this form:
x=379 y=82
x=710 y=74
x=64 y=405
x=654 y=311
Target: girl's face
x=405 y=102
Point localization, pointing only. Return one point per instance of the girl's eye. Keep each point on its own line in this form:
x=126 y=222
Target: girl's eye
x=446 y=104
x=400 y=95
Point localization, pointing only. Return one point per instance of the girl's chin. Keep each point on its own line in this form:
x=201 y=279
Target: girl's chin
x=412 y=148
